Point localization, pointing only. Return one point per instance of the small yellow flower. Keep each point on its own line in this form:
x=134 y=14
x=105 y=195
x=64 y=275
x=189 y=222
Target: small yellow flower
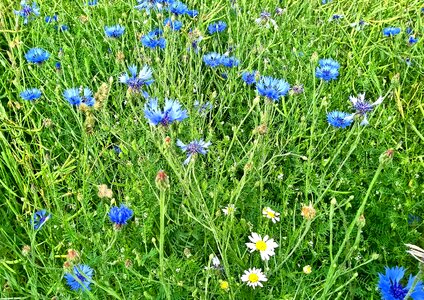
x=308 y=212
x=307 y=269
x=224 y=285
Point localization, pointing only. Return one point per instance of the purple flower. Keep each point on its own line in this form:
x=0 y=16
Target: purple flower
x=362 y=107
x=193 y=148
x=27 y=10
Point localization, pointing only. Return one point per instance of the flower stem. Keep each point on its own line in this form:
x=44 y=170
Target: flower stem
x=162 y=209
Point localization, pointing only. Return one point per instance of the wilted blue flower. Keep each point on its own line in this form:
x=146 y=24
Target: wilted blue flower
x=339 y=119
x=92 y=3
x=328 y=69
x=50 y=19
x=39 y=218
x=171 y=112
x=279 y=11
x=297 y=89
x=27 y=10
x=195 y=45
x=249 y=77
x=79 y=278
x=194 y=147
x=117 y=149
x=266 y=20
x=326 y=1
x=192 y=13
x=212 y=59
x=174 y=25
x=37 y=55
x=229 y=61
x=272 y=88
x=412 y=40
x=408 y=30
x=391 y=31
x=114 y=31
x=392 y=289
x=217 y=27
x=154 y=39
x=62 y=27
x=120 y=215
x=30 y=94
x=74 y=97
x=336 y=17
x=203 y=108
x=362 y=107
x=58 y=66
x=136 y=82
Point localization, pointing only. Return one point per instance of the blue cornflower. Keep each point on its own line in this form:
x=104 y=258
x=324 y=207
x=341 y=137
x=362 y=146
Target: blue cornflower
x=30 y=94
x=74 y=97
x=229 y=61
x=37 y=55
x=50 y=19
x=219 y=26
x=120 y=215
x=391 y=288
x=409 y=30
x=117 y=149
x=328 y=69
x=272 y=88
x=27 y=10
x=92 y=3
x=194 y=147
x=62 y=28
x=339 y=119
x=249 y=77
x=114 y=31
x=412 y=40
x=154 y=39
x=148 y=5
x=212 y=59
x=174 y=25
x=79 y=278
x=192 y=13
x=171 y=112
x=195 y=45
x=391 y=31
x=136 y=82
x=58 y=66
x=178 y=8
x=39 y=218
x=362 y=107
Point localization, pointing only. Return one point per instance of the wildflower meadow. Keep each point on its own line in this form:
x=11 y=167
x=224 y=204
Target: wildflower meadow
x=211 y=149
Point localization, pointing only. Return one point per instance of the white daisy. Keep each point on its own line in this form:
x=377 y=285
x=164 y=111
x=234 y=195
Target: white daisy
x=229 y=210
x=265 y=246
x=253 y=277
x=270 y=214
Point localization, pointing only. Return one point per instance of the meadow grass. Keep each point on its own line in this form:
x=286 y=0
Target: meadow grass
x=283 y=155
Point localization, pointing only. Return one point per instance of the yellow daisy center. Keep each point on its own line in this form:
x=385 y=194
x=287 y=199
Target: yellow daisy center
x=253 y=278
x=260 y=245
x=270 y=214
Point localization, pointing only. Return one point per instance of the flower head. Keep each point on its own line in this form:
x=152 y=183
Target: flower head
x=266 y=20
x=148 y=5
x=308 y=212
x=193 y=148
x=212 y=59
x=224 y=285
x=219 y=26
x=229 y=61
x=37 y=55
x=254 y=277
x=78 y=96
x=39 y=218
x=249 y=77
x=114 y=31
x=362 y=107
x=328 y=69
x=392 y=289
x=174 y=25
x=272 y=88
x=307 y=269
x=229 y=210
x=391 y=31
x=136 y=81
x=27 y=10
x=153 y=39
x=120 y=215
x=178 y=8
x=270 y=214
x=171 y=112
x=412 y=40
x=265 y=246
x=79 y=278
x=30 y=94
x=50 y=19
x=339 y=119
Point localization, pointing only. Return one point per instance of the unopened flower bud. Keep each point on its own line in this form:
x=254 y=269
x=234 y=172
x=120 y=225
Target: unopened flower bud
x=162 y=180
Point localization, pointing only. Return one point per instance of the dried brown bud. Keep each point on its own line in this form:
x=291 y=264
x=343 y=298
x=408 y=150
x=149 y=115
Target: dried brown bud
x=26 y=250
x=104 y=191
x=308 y=212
